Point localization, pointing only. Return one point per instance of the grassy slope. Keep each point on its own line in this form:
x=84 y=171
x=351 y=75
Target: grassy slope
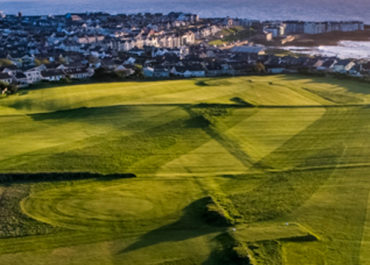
x=182 y=153
x=365 y=243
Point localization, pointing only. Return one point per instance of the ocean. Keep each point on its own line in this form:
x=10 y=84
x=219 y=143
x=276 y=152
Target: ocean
x=344 y=50
x=309 y=10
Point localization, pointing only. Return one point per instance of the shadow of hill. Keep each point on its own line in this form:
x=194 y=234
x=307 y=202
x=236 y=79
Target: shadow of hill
x=190 y=225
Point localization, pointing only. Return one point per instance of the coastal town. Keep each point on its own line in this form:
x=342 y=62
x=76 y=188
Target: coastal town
x=82 y=46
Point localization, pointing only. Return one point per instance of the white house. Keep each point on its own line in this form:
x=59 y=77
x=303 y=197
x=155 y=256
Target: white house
x=79 y=73
x=326 y=65
x=21 y=79
x=158 y=72
x=52 y=75
x=195 y=71
x=130 y=60
x=343 y=66
x=34 y=74
x=178 y=70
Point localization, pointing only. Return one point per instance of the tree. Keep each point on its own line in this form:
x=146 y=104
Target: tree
x=5 y=62
x=102 y=74
x=260 y=68
x=138 y=72
x=8 y=88
x=41 y=61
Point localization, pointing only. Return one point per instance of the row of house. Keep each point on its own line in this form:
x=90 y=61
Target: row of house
x=289 y=64
x=302 y=27
x=77 y=45
x=100 y=34
x=170 y=41
x=25 y=77
x=166 y=64
x=283 y=28
x=195 y=70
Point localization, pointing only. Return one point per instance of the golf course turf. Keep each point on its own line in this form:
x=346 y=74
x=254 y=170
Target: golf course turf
x=242 y=170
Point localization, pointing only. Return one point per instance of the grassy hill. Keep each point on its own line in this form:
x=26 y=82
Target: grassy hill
x=246 y=170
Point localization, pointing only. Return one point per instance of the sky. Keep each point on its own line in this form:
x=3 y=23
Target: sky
x=258 y=9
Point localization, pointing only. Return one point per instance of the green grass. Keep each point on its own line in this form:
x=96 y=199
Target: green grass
x=236 y=33
x=258 y=233
x=283 y=159
x=217 y=42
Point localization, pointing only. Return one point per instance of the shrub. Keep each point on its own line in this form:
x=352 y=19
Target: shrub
x=8 y=88
x=216 y=215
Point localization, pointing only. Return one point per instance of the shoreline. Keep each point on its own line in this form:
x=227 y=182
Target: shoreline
x=328 y=39
x=316 y=40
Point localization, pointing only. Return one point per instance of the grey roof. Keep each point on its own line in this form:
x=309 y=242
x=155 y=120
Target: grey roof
x=49 y=73
x=20 y=75
x=4 y=76
x=247 y=49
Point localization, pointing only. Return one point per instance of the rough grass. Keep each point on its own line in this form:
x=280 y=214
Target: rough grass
x=13 y=222
x=269 y=150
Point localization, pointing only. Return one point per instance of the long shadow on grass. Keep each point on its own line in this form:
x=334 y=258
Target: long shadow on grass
x=8 y=178
x=101 y=112
x=82 y=113
x=190 y=225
